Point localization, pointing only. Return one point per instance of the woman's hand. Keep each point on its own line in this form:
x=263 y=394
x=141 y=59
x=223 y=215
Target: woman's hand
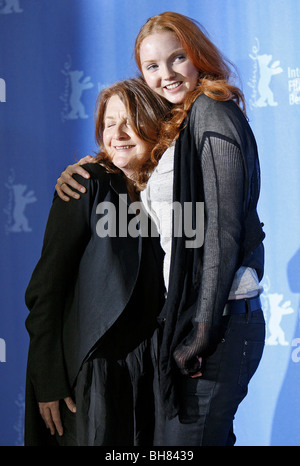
x=191 y=367
x=198 y=369
x=51 y=414
x=66 y=182
x=187 y=353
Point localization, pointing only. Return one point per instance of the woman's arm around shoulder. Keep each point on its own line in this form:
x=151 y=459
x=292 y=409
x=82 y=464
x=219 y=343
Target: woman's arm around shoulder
x=67 y=186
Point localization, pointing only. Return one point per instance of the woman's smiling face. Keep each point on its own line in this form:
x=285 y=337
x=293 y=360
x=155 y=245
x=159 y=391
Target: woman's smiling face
x=121 y=143
x=166 y=66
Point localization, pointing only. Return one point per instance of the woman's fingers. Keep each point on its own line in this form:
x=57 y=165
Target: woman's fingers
x=66 y=184
x=70 y=404
x=51 y=416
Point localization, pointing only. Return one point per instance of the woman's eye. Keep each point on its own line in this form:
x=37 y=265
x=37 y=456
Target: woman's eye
x=151 y=67
x=180 y=58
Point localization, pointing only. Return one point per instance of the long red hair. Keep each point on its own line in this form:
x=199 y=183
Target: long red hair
x=215 y=71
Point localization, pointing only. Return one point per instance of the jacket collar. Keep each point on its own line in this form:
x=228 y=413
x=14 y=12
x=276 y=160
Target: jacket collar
x=118 y=184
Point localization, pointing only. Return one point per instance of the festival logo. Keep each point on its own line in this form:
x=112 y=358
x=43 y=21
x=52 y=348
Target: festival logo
x=2 y=90
x=275 y=310
x=18 y=199
x=278 y=309
x=10 y=6
x=75 y=84
x=264 y=68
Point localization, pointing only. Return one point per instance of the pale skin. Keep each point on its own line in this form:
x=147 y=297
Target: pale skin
x=123 y=147
x=169 y=72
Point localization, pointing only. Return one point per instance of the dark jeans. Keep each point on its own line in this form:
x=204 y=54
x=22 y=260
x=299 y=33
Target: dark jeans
x=209 y=403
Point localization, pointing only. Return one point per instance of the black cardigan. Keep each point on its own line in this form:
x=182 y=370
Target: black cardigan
x=215 y=162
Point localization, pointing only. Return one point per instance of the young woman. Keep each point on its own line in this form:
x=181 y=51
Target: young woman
x=94 y=298
x=212 y=324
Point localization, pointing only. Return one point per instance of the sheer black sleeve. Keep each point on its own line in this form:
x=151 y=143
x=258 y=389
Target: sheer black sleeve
x=223 y=179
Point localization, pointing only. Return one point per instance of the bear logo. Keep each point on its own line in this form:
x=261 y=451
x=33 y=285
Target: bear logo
x=278 y=309
x=74 y=86
x=263 y=71
x=77 y=87
x=21 y=199
x=266 y=73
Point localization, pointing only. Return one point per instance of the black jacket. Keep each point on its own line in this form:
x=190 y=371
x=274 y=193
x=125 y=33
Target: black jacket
x=80 y=287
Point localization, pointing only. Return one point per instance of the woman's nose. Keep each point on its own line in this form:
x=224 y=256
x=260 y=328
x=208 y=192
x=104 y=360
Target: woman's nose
x=167 y=72
x=120 y=132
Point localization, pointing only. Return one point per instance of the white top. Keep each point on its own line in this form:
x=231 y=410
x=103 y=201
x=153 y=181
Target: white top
x=157 y=199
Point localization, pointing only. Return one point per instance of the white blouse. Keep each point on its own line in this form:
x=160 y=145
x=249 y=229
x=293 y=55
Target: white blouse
x=157 y=199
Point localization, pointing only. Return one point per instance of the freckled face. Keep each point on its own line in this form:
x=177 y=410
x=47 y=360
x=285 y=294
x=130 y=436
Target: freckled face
x=122 y=144
x=166 y=66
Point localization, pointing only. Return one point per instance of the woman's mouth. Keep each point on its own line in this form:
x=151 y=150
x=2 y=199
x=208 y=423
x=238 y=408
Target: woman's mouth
x=124 y=147
x=173 y=86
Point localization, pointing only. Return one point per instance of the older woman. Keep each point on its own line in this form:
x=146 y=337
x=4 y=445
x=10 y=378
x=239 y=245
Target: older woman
x=93 y=298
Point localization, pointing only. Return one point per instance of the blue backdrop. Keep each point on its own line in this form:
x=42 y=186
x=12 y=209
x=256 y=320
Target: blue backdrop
x=55 y=56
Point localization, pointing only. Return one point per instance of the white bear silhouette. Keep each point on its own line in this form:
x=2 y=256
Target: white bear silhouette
x=21 y=200
x=277 y=310
x=266 y=73
x=77 y=87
